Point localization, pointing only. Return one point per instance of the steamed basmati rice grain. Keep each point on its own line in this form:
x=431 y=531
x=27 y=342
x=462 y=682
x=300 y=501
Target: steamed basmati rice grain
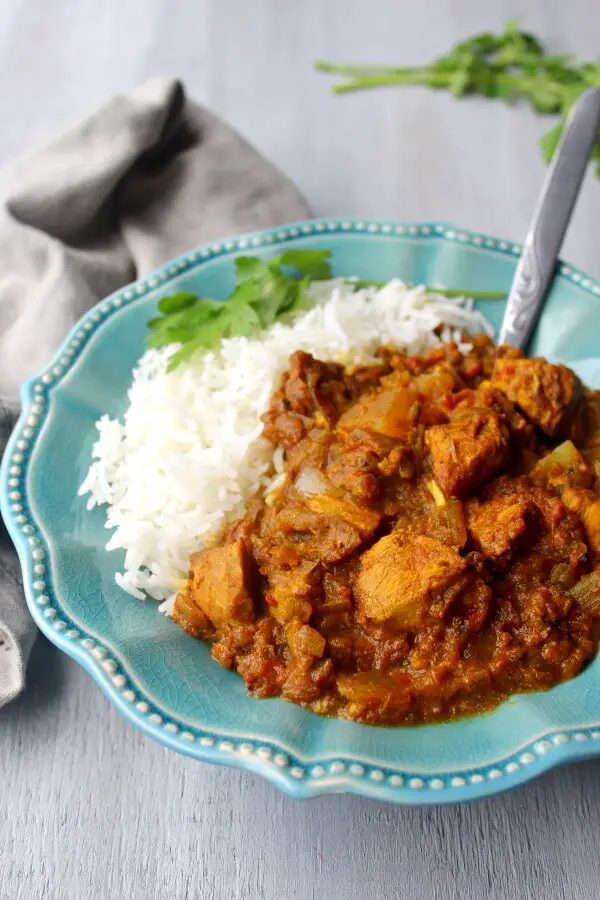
x=189 y=453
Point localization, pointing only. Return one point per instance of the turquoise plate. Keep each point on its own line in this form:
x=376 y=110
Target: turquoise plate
x=164 y=681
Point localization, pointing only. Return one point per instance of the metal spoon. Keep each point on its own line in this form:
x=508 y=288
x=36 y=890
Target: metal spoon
x=551 y=218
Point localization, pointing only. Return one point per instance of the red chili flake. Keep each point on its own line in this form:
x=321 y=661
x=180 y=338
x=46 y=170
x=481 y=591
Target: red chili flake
x=270 y=599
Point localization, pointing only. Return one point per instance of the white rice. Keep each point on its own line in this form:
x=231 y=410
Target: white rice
x=189 y=452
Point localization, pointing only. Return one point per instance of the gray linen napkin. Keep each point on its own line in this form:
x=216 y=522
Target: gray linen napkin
x=148 y=176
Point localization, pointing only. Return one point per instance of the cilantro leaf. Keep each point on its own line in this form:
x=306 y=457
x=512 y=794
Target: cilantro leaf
x=238 y=316
x=181 y=324
x=311 y=262
x=176 y=302
x=202 y=341
x=248 y=266
x=549 y=141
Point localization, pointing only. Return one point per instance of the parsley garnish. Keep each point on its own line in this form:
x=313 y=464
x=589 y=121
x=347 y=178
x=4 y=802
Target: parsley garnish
x=508 y=66
x=264 y=291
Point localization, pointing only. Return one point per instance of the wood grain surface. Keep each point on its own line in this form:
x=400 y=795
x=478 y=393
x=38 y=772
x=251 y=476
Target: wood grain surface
x=88 y=807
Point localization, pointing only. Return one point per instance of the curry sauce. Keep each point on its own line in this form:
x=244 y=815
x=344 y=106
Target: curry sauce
x=432 y=546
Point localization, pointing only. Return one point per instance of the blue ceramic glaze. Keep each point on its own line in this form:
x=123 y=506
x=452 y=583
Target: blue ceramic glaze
x=164 y=681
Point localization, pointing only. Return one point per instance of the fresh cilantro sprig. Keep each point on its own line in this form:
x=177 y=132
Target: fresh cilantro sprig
x=264 y=291
x=512 y=65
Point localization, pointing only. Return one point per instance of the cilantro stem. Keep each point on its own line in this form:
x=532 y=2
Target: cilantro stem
x=446 y=292
x=393 y=78
x=505 y=84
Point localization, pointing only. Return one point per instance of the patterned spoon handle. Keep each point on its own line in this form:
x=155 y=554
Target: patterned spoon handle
x=551 y=218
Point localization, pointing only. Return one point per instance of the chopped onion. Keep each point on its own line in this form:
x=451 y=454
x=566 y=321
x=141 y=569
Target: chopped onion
x=310 y=482
x=436 y=492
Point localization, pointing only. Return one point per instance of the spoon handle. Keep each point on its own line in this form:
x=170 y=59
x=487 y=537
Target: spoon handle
x=551 y=218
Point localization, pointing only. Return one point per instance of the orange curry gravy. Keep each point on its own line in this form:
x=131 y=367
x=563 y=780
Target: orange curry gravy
x=433 y=547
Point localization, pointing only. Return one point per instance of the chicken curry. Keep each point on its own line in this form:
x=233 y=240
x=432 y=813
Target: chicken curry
x=432 y=546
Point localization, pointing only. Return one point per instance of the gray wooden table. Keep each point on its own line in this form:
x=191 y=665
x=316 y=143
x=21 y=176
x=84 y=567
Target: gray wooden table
x=90 y=808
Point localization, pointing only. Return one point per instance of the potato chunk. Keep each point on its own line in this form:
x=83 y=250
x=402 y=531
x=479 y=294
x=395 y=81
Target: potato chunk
x=290 y=592
x=564 y=465
x=304 y=640
x=218 y=583
x=467 y=451
x=391 y=413
x=399 y=574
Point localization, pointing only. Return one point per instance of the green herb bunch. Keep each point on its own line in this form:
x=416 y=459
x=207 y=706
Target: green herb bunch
x=509 y=66
x=264 y=291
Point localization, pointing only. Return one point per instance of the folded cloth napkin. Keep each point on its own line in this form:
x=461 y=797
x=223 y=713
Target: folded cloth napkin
x=148 y=176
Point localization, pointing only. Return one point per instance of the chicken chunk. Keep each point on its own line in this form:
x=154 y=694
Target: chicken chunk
x=468 y=450
x=219 y=583
x=318 y=536
x=399 y=574
x=497 y=522
x=490 y=397
x=363 y=519
x=585 y=504
x=547 y=394
x=591 y=525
